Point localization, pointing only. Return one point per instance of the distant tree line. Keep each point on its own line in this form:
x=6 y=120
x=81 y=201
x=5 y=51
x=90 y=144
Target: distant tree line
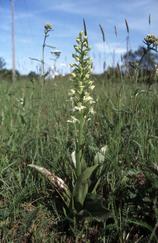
x=6 y=74
x=142 y=61
x=141 y=64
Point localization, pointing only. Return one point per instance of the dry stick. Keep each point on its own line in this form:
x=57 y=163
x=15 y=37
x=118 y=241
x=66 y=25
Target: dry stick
x=13 y=40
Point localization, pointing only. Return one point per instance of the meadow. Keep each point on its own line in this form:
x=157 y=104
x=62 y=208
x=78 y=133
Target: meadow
x=122 y=137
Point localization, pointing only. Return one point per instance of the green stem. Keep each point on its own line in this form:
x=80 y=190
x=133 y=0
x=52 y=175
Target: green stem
x=43 y=56
x=79 y=144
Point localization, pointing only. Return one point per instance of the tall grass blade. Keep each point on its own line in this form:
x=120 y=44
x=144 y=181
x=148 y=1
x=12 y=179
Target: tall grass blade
x=115 y=29
x=102 y=32
x=149 y=20
x=85 y=27
x=127 y=26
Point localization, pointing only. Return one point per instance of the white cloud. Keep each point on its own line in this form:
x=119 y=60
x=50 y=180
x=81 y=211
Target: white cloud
x=80 y=7
x=111 y=48
x=23 y=15
x=137 y=14
x=131 y=6
x=24 y=40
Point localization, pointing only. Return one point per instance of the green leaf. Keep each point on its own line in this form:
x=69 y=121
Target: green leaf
x=22 y=119
x=87 y=173
x=81 y=191
x=100 y=156
x=141 y=223
x=73 y=158
x=82 y=185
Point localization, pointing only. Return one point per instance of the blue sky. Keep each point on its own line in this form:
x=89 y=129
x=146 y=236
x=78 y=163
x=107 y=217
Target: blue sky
x=66 y=17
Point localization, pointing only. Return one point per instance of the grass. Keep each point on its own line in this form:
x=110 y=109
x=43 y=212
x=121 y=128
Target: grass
x=36 y=131
x=109 y=193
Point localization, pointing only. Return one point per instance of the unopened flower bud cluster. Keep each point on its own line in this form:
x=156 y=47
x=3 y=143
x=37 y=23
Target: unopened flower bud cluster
x=151 y=40
x=81 y=94
x=48 y=27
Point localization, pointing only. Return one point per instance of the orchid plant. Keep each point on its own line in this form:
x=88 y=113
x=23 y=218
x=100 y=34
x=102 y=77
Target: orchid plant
x=80 y=198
